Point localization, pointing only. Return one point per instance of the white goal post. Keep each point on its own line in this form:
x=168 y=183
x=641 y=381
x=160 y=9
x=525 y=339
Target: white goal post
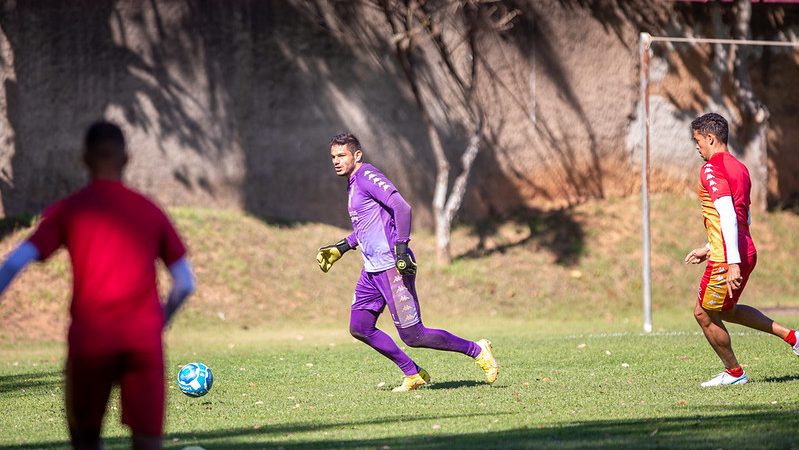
x=645 y=43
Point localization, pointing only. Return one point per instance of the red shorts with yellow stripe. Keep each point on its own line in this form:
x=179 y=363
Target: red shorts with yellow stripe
x=713 y=291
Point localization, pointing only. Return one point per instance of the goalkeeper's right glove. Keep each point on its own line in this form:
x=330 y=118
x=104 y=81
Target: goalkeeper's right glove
x=404 y=263
x=331 y=253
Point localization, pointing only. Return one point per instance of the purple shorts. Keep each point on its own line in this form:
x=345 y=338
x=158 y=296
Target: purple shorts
x=374 y=290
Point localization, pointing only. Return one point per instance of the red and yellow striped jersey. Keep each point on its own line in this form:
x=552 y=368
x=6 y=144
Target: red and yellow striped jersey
x=720 y=176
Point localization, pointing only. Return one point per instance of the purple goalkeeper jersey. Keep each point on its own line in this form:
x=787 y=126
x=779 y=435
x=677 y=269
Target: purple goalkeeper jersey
x=374 y=228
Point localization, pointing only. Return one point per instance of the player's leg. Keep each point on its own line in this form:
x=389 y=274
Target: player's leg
x=418 y=335
x=142 y=397
x=712 y=300
x=719 y=339
x=367 y=304
x=88 y=386
x=717 y=335
x=752 y=317
x=146 y=442
x=362 y=327
x=403 y=303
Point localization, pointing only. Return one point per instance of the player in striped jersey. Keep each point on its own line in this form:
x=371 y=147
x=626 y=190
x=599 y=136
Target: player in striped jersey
x=724 y=187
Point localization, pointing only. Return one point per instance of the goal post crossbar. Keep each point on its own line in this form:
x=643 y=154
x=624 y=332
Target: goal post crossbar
x=699 y=40
x=645 y=43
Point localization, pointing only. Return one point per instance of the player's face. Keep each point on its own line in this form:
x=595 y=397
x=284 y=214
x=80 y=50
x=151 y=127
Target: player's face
x=344 y=161
x=702 y=145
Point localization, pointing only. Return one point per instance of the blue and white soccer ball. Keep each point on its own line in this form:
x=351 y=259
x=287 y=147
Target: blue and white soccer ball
x=195 y=379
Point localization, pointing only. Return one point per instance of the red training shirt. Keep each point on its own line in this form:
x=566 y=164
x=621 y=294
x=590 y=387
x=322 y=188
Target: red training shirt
x=720 y=176
x=113 y=235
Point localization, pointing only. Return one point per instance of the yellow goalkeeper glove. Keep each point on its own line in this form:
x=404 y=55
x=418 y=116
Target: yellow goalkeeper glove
x=331 y=253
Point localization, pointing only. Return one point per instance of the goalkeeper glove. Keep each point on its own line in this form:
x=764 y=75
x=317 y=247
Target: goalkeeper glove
x=331 y=253
x=405 y=263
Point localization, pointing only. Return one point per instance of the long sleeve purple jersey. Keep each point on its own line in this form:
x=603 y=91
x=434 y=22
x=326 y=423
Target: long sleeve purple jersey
x=380 y=217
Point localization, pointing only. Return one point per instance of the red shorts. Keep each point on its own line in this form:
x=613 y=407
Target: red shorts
x=140 y=375
x=713 y=294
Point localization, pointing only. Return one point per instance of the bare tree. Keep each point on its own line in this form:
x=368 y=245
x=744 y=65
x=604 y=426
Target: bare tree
x=752 y=124
x=445 y=26
x=754 y=127
x=440 y=47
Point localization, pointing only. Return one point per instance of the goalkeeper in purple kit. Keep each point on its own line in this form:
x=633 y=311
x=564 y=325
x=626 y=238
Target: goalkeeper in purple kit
x=381 y=222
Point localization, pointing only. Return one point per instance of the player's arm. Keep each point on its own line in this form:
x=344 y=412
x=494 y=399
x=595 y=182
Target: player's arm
x=17 y=260
x=698 y=255
x=729 y=232
x=329 y=254
x=182 y=287
x=402 y=213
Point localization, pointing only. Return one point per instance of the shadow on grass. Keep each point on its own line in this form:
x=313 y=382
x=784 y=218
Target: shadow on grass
x=773 y=428
x=15 y=383
x=455 y=384
x=557 y=231
x=783 y=379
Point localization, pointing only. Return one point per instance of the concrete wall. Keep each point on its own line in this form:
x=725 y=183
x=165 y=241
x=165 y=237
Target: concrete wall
x=231 y=104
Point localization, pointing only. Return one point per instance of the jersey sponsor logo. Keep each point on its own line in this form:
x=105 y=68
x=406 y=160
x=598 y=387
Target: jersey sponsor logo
x=397 y=278
x=404 y=298
x=712 y=183
x=720 y=278
x=406 y=308
x=709 y=176
x=714 y=294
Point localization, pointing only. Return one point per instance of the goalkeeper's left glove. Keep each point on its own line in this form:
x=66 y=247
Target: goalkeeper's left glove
x=405 y=263
x=331 y=253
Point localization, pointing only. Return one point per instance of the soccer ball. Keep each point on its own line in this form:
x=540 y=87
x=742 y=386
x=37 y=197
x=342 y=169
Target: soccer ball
x=195 y=379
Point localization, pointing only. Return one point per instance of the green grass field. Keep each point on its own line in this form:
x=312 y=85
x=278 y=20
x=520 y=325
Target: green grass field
x=558 y=388
x=562 y=307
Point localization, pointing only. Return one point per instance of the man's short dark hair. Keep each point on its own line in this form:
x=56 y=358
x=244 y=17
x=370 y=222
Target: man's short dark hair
x=104 y=133
x=711 y=123
x=104 y=141
x=348 y=140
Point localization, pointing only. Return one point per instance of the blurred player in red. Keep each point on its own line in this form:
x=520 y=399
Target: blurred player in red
x=114 y=236
x=724 y=187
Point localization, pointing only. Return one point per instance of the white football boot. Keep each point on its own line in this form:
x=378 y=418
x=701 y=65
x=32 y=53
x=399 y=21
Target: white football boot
x=725 y=379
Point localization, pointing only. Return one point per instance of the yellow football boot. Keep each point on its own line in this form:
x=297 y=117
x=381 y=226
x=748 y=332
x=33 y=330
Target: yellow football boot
x=486 y=361
x=413 y=382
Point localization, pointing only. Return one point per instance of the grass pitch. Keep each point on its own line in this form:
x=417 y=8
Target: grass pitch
x=558 y=292
x=558 y=388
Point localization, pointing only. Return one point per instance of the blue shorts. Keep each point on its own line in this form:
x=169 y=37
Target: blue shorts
x=375 y=290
